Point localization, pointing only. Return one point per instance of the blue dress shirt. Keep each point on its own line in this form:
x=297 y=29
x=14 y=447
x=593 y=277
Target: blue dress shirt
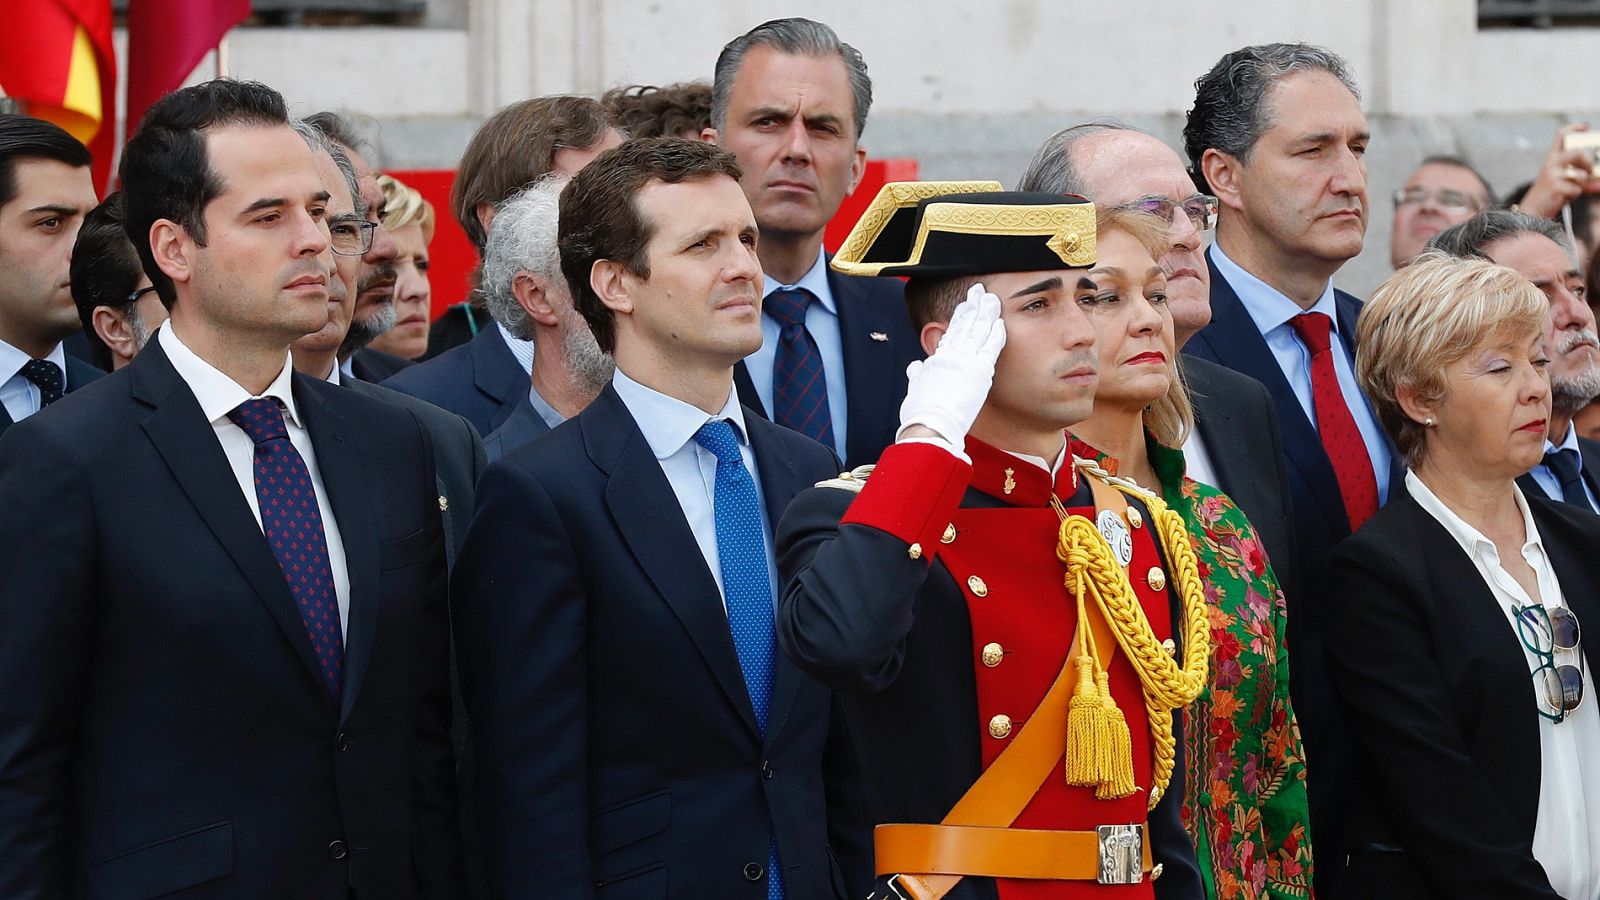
x=20 y=397
x=822 y=321
x=1547 y=480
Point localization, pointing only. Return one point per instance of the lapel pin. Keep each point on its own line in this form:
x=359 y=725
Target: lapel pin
x=877 y=335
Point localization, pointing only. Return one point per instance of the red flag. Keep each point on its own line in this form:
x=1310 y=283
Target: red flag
x=167 y=39
x=56 y=57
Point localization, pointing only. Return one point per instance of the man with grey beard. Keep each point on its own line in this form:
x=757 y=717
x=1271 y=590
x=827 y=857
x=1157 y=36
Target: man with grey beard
x=374 y=312
x=522 y=278
x=1538 y=249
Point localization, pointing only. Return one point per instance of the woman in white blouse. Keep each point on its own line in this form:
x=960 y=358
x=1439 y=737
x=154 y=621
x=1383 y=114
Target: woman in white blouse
x=1454 y=614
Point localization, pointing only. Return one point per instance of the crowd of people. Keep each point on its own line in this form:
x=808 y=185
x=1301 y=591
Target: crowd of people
x=1075 y=540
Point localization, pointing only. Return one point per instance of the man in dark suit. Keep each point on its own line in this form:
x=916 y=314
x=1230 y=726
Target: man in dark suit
x=1235 y=444
x=1539 y=249
x=789 y=100
x=521 y=261
x=637 y=735
x=180 y=716
x=45 y=192
x=1277 y=134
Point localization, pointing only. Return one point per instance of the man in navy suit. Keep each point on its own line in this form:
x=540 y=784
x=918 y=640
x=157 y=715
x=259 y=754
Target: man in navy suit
x=521 y=261
x=45 y=191
x=637 y=734
x=789 y=100
x=1277 y=134
x=225 y=655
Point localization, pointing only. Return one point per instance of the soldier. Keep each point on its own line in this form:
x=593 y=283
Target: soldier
x=1005 y=751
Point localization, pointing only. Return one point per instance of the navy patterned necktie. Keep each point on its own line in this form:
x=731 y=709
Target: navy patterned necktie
x=293 y=526
x=746 y=583
x=47 y=376
x=1564 y=464
x=799 y=385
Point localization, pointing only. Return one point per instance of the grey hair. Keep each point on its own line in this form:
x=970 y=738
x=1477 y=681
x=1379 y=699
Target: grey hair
x=1468 y=239
x=522 y=239
x=1230 y=101
x=796 y=36
x=1052 y=170
x=317 y=139
x=343 y=130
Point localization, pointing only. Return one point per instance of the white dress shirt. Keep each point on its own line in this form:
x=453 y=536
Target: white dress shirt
x=521 y=349
x=219 y=395
x=1271 y=312
x=1197 y=460
x=669 y=426
x=1566 y=834
x=18 y=395
x=822 y=322
x=1547 y=480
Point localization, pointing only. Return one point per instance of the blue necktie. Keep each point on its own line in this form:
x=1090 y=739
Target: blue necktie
x=47 y=376
x=1565 y=466
x=292 y=522
x=746 y=583
x=799 y=386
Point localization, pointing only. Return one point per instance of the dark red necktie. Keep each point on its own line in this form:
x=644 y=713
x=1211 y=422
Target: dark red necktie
x=293 y=525
x=1335 y=424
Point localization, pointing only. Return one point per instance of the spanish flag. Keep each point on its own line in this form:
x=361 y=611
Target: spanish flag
x=166 y=41
x=56 y=58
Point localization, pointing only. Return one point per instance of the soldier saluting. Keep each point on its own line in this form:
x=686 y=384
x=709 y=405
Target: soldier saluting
x=1012 y=632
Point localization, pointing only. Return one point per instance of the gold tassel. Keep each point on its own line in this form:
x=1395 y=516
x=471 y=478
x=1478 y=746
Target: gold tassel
x=1116 y=748
x=1083 y=726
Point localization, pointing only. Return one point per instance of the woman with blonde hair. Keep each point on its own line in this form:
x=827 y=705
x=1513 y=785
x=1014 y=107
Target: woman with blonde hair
x=1246 y=803
x=1454 y=639
x=409 y=218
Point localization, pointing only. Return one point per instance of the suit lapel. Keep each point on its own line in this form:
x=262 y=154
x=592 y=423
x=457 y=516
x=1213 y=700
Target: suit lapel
x=780 y=482
x=745 y=386
x=637 y=492
x=344 y=479
x=1348 y=310
x=1237 y=344
x=497 y=374
x=5 y=420
x=869 y=365
x=178 y=429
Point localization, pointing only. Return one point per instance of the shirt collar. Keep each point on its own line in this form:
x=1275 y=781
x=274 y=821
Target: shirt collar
x=815 y=280
x=667 y=422
x=1570 y=442
x=1471 y=539
x=12 y=360
x=217 y=393
x=543 y=408
x=346 y=367
x=1268 y=307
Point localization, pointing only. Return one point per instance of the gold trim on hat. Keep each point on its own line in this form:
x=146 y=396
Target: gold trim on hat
x=1066 y=225
x=892 y=197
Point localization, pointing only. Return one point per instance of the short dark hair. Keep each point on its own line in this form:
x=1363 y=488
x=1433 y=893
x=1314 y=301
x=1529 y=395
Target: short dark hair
x=800 y=37
x=600 y=216
x=936 y=299
x=643 y=110
x=1468 y=239
x=166 y=171
x=516 y=147
x=1448 y=159
x=1230 y=101
x=105 y=270
x=24 y=137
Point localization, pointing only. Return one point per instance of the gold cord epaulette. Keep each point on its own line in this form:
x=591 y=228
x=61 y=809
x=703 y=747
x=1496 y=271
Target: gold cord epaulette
x=852 y=481
x=1093 y=570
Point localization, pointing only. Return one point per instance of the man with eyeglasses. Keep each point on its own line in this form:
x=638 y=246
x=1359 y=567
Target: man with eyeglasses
x=116 y=302
x=1235 y=444
x=1442 y=192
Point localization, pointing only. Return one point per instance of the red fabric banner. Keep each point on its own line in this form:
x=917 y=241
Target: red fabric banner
x=167 y=39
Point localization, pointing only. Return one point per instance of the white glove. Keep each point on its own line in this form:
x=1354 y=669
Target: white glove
x=945 y=392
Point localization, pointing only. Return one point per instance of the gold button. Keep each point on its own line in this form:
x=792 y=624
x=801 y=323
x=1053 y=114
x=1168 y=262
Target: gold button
x=977 y=587
x=993 y=654
x=1000 y=727
x=444 y=503
x=949 y=536
x=915 y=551
x=1134 y=518
x=1156 y=578
x=1171 y=646
x=1155 y=872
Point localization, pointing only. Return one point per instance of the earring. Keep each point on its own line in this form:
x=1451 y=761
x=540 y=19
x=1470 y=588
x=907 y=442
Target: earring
x=1428 y=422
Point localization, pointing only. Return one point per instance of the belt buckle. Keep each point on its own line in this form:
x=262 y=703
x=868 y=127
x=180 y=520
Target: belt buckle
x=1121 y=854
x=893 y=884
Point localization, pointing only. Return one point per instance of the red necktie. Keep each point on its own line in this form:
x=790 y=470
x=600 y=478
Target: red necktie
x=1336 y=426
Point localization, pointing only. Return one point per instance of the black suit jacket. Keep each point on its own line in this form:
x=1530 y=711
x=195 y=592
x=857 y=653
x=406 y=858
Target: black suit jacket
x=165 y=726
x=79 y=373
x=1588 y=454
x=1441 y=707
x=480 y=381
x=618 y=752
x=1235 y=419
x=520 y=428
x=374 y=365
x=874 y=370
x=1320 y=523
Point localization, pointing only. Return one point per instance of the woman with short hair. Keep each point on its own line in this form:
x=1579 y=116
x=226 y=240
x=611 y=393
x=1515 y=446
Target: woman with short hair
x=1454 y=635
x=408 y=217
